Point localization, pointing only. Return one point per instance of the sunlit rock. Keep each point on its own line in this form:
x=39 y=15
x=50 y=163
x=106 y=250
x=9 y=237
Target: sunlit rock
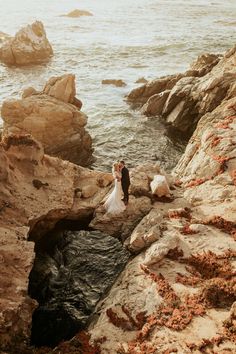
x=78 y=13
x=159 y=186
x=29 y=46
x=183 y=99
x=52 y=118
x=117 y=83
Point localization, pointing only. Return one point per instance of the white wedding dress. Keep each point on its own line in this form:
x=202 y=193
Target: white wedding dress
x=114 y=204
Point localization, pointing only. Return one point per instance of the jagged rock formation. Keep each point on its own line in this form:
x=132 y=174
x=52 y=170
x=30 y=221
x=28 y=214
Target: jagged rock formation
x=53 y=117
x=36 y=191
x=70 y=281
x=183 y=99
x=29 y=46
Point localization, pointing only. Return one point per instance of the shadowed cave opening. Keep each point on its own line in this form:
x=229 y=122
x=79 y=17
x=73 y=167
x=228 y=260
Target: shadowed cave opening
x=74 y=267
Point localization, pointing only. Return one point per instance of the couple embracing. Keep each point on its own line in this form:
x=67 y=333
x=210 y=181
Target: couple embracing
x=119 y=197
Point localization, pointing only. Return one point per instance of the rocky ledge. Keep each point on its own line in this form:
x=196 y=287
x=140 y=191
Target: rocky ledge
x=53 y=117
x=182 y=99
x=29 y=46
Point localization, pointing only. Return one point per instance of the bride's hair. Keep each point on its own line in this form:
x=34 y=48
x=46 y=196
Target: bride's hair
x=115 y=166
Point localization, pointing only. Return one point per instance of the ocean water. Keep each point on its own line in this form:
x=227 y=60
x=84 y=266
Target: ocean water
x=124 y=39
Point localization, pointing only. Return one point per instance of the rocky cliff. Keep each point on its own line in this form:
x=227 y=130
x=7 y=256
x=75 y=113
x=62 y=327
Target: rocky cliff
x=36 y=192
x=182 y=99
x=177 y=295
x=53 y=117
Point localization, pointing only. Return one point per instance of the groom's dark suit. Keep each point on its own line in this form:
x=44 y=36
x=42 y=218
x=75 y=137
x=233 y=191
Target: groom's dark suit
x=125 y=183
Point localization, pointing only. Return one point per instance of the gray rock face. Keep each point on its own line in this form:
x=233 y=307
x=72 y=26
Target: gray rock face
x=70 y=281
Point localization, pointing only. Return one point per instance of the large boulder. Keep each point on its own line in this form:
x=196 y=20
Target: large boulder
x=29 y=46
x=183 y=99
x=53 y=118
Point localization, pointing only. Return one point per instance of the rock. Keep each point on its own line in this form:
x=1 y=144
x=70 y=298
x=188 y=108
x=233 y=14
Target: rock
x=117 y=83
x=28 y=212
x=154 y=105
x=121 y=225
x=141 y=177
x=205 y=63
x=183 y=99
x=51 y=118
x=146 y=232
x=159 y=186
x=160 y=248
x=141 y=80
x=89 y=190
x=141 y=94
x=4 y=37
x=62 y=88
x=29 y=91
x=78 y=13
x=29 y=46
x=69 y=282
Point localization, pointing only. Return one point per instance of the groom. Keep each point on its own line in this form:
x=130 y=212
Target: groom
x=125 y=181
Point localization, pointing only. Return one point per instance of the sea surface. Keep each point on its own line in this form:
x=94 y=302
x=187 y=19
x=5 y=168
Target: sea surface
x=124 y=39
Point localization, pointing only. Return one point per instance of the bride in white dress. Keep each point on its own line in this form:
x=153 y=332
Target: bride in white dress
x=114 y=204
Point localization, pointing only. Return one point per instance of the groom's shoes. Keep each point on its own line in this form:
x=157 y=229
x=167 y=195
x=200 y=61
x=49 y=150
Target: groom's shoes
x=124 y=201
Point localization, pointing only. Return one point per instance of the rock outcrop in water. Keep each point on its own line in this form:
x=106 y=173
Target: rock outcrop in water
x=117 y=83
x=53 y=117
x=29 y=46
x=70 y=281
x=78 y=13
x=184 y=98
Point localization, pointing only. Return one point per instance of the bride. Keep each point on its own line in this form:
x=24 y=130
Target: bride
x=114 y=204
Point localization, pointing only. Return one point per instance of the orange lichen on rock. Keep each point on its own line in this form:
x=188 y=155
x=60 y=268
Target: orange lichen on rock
x=209 y=265
x=178 y=183
x=219 y=293
x=175 y=254
x=215 y=141
x=224 y=124
x=233 y=176
x=187 y=231
x=230 y=325
x=220 y=159
x=222 y=224
x=206 y=343
x=19 y=139
x=197 y=182
x=164 y=288
x=187 y=280
x=130 y=323
x=79 y=344
x=179 y=213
